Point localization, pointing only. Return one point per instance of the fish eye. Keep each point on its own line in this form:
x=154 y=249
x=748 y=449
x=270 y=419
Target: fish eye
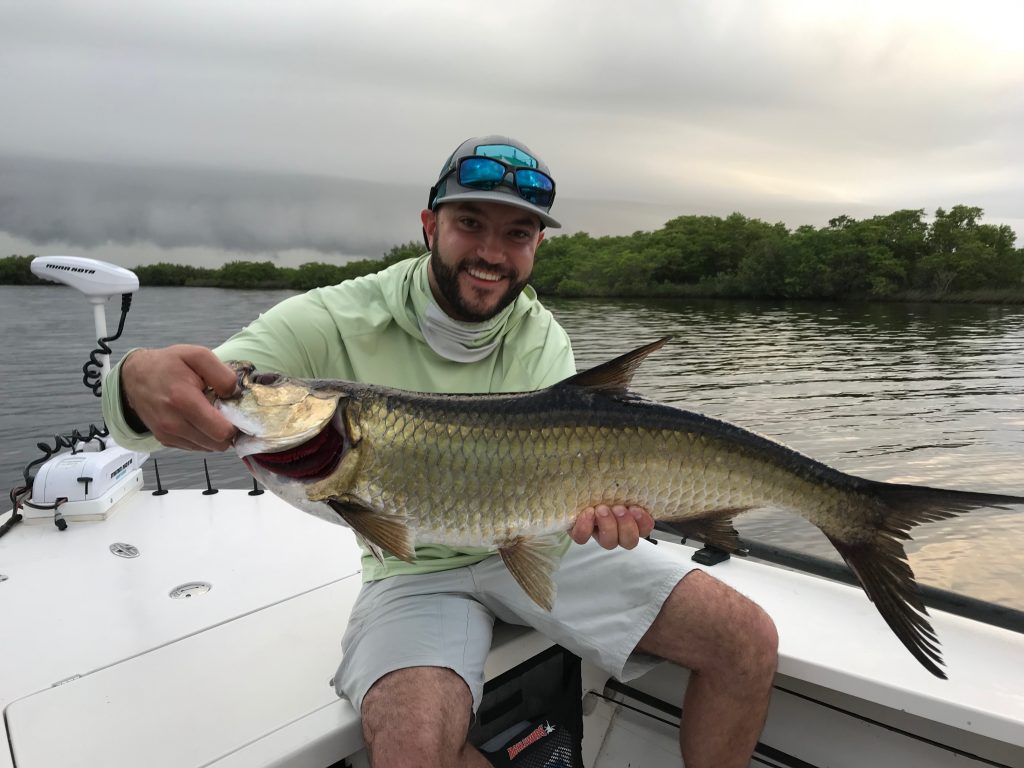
x=266 y=378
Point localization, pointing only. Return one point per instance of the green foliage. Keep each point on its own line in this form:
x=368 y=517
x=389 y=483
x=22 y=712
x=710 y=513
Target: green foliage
x=167 y=274
x=16 y=270
x=966 y=255
x=900 y=255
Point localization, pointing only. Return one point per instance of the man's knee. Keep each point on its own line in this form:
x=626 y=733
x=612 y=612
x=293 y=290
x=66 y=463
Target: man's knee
x=706 y=625
x=422 y=713
x=759 y=644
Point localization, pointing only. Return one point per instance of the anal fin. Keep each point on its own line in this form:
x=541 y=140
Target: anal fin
x=379 y=530
x=715 y=531
x=532 y=563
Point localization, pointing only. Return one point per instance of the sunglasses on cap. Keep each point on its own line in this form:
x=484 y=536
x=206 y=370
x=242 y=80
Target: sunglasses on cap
x=487 y=173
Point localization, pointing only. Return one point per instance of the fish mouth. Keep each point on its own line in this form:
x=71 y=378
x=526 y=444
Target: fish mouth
x=312 y=460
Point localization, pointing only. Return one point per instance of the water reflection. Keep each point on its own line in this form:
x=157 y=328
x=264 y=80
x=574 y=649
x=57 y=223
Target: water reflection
x=917 y=393
x=929 y=394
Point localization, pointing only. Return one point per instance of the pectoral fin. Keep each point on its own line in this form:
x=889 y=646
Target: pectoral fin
x=532 y=562
x=379 y=530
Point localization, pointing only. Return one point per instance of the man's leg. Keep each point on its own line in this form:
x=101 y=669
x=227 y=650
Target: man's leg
x=413 y=664
x=730 y=645
x=611 y=604
x=419 y=716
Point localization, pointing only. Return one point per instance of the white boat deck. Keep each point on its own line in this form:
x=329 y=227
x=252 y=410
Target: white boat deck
x=102 y=667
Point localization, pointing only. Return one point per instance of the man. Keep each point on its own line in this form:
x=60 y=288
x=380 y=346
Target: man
x=462 y=319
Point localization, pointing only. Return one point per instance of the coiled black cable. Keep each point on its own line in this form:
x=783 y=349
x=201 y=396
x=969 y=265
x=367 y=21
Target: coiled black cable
x=92 y=378
x=61 y=442
x=20 y=495
x=92 y=370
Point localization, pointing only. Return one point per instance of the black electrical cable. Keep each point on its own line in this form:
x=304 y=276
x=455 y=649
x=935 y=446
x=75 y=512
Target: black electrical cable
x=15 y=519
x=66 y=441
x=18 y=495
x=19 y=499
x=91 y=371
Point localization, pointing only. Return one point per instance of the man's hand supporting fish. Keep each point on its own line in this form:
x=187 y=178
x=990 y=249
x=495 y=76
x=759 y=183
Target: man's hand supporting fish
x=611 y=526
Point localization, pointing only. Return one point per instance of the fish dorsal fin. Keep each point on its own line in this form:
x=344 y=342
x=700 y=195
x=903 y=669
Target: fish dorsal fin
x=614 y=377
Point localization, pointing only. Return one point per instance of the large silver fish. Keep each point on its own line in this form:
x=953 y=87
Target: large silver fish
x=513 y=470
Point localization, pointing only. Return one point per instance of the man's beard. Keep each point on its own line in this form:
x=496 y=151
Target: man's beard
x=447 y=279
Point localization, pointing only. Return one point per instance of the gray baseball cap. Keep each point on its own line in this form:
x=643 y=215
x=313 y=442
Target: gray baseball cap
x=513 y=185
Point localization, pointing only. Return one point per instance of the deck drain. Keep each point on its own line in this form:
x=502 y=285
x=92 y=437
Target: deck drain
x=191 y=589
x=2 y=577
x=124 y=550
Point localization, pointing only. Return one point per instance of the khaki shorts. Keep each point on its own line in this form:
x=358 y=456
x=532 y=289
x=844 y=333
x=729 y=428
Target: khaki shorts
x=606 y=601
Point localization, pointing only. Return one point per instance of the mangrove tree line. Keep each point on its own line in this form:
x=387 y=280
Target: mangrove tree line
x=899 y=255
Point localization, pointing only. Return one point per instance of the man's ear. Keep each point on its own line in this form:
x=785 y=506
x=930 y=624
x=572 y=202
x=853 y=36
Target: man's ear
x=429 y=221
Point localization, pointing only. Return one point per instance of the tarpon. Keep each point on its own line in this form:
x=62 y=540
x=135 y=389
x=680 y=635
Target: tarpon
x=512 y=471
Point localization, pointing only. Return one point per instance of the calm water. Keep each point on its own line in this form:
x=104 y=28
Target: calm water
x=926 y=394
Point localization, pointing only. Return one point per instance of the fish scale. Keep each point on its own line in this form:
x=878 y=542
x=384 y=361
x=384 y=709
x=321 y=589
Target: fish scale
x=512 y=471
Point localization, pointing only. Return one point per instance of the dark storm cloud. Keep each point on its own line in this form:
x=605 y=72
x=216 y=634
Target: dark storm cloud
x=91 y=204
x=788 y=110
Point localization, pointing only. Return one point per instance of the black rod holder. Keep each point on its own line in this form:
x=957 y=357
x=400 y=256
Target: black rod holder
x=160 y=490
x=210 y=490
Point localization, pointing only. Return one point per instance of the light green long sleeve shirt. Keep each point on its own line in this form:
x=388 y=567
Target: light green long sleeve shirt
x=368 y=330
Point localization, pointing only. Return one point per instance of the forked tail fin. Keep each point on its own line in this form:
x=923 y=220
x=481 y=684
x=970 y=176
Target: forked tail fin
x=881 y=565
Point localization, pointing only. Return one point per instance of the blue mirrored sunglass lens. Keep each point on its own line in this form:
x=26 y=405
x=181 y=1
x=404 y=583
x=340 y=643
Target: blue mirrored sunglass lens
x=474 y=171
x=537 y=188
x=534 y=180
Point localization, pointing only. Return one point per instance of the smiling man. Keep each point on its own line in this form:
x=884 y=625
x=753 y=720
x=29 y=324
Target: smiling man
x=488 y=242
x=463 y=319
x=498 y=244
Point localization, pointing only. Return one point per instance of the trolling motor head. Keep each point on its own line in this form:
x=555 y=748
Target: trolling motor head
x=98 y=280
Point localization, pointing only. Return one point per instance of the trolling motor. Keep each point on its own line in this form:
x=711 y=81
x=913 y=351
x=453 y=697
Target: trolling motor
x=99 y=282
x=93 y=473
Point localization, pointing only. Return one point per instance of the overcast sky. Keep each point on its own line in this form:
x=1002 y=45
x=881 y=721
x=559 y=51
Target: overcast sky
x=198 y=132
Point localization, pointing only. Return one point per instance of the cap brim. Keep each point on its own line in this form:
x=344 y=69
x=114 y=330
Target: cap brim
x=504 y=198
